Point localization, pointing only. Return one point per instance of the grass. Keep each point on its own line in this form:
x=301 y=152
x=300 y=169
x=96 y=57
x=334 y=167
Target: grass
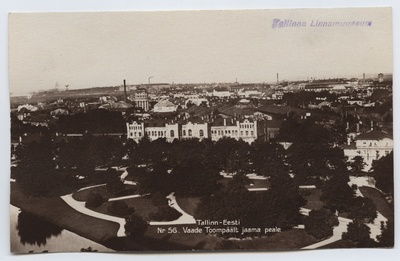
x=84 y=194
x=188 y=205
x=313 y=198
x=143 y=207
x=56 y=211
x=379 y=200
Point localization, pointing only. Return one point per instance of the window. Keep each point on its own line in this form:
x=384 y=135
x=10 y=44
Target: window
x=172 y=133
x=247 y=133
x=140 y=134
x=190 y=132
x=252 y=133
x=241 y=133
x=184 y=133
x=201 y=133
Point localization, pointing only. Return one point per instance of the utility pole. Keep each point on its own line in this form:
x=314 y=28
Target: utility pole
x=125 y=98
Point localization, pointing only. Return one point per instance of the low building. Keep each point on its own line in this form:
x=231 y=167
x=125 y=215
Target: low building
x=371 y=146
x=246 y=129
x=164 y=106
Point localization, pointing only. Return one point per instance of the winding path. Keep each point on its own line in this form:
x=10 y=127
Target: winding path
x=182 y=220
x=80 y=207
x=375 y=227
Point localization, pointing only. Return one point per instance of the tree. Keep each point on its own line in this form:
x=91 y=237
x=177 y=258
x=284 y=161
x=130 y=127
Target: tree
x=357 y=164
x=114 y=182
x=363 y=209
x=135 y=226
x=165 y=213
x=120 y=208
x=359 y=233
x=36 y=173
x=34 y=230
x=336 y=192
x=94 y=200
x=268 y=159
x=386 y=239
x=383 y=173
x=320 y=223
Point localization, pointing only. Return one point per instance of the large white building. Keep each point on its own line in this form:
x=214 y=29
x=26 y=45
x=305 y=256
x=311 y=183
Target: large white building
x=246 y=129
x=154 y=129
x=371 y=146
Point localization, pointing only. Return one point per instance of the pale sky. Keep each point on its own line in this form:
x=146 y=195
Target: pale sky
x=101 y=49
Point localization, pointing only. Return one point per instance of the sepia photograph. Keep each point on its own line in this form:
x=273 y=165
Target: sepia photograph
x=206 y=131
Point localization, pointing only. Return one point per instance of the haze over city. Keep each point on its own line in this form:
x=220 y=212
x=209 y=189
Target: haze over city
x=100 y=49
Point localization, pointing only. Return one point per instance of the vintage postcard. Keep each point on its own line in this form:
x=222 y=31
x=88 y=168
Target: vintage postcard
x=201 y=130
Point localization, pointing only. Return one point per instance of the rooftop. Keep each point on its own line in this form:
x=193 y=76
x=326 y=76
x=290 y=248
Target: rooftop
x=373 y=135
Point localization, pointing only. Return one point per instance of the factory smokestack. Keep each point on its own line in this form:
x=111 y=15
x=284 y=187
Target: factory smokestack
x=277 y=79
x=124 y=90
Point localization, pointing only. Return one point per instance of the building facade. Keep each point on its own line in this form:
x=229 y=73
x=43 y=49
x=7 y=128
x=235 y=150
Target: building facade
x=371 y=146
x=245 y=129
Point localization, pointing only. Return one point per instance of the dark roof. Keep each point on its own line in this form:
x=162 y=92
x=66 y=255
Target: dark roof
x=274 y=123
x=348 y=147
x=198 y=110
x=220 y=122
x=373 y=135
x=155 y=123
x=235 y=111
x=280 y=109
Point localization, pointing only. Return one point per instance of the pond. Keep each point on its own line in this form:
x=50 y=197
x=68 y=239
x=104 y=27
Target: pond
x=31 y=234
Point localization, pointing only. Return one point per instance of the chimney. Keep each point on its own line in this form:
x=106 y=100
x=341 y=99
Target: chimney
x=277 y=78
x=224 y=122
x=348 y=126
x=348 y=140
x=372 y=125
x=358 y=128
x=124 y=90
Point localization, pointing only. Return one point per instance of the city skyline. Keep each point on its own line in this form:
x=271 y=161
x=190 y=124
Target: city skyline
x=85 y=50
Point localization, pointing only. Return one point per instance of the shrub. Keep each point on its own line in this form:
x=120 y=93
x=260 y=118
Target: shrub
x=165 y=213
x=320 y=223
x=94 y=200
x=120 y=208
x=135 y=226
x=158 y=199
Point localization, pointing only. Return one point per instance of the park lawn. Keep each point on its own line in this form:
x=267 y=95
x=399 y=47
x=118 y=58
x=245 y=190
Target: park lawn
x=102 y=190
x=290 y=239
x=313 y=199
x=188 y=204
x=379 y=200
x=56 y=211
x=143 y=207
